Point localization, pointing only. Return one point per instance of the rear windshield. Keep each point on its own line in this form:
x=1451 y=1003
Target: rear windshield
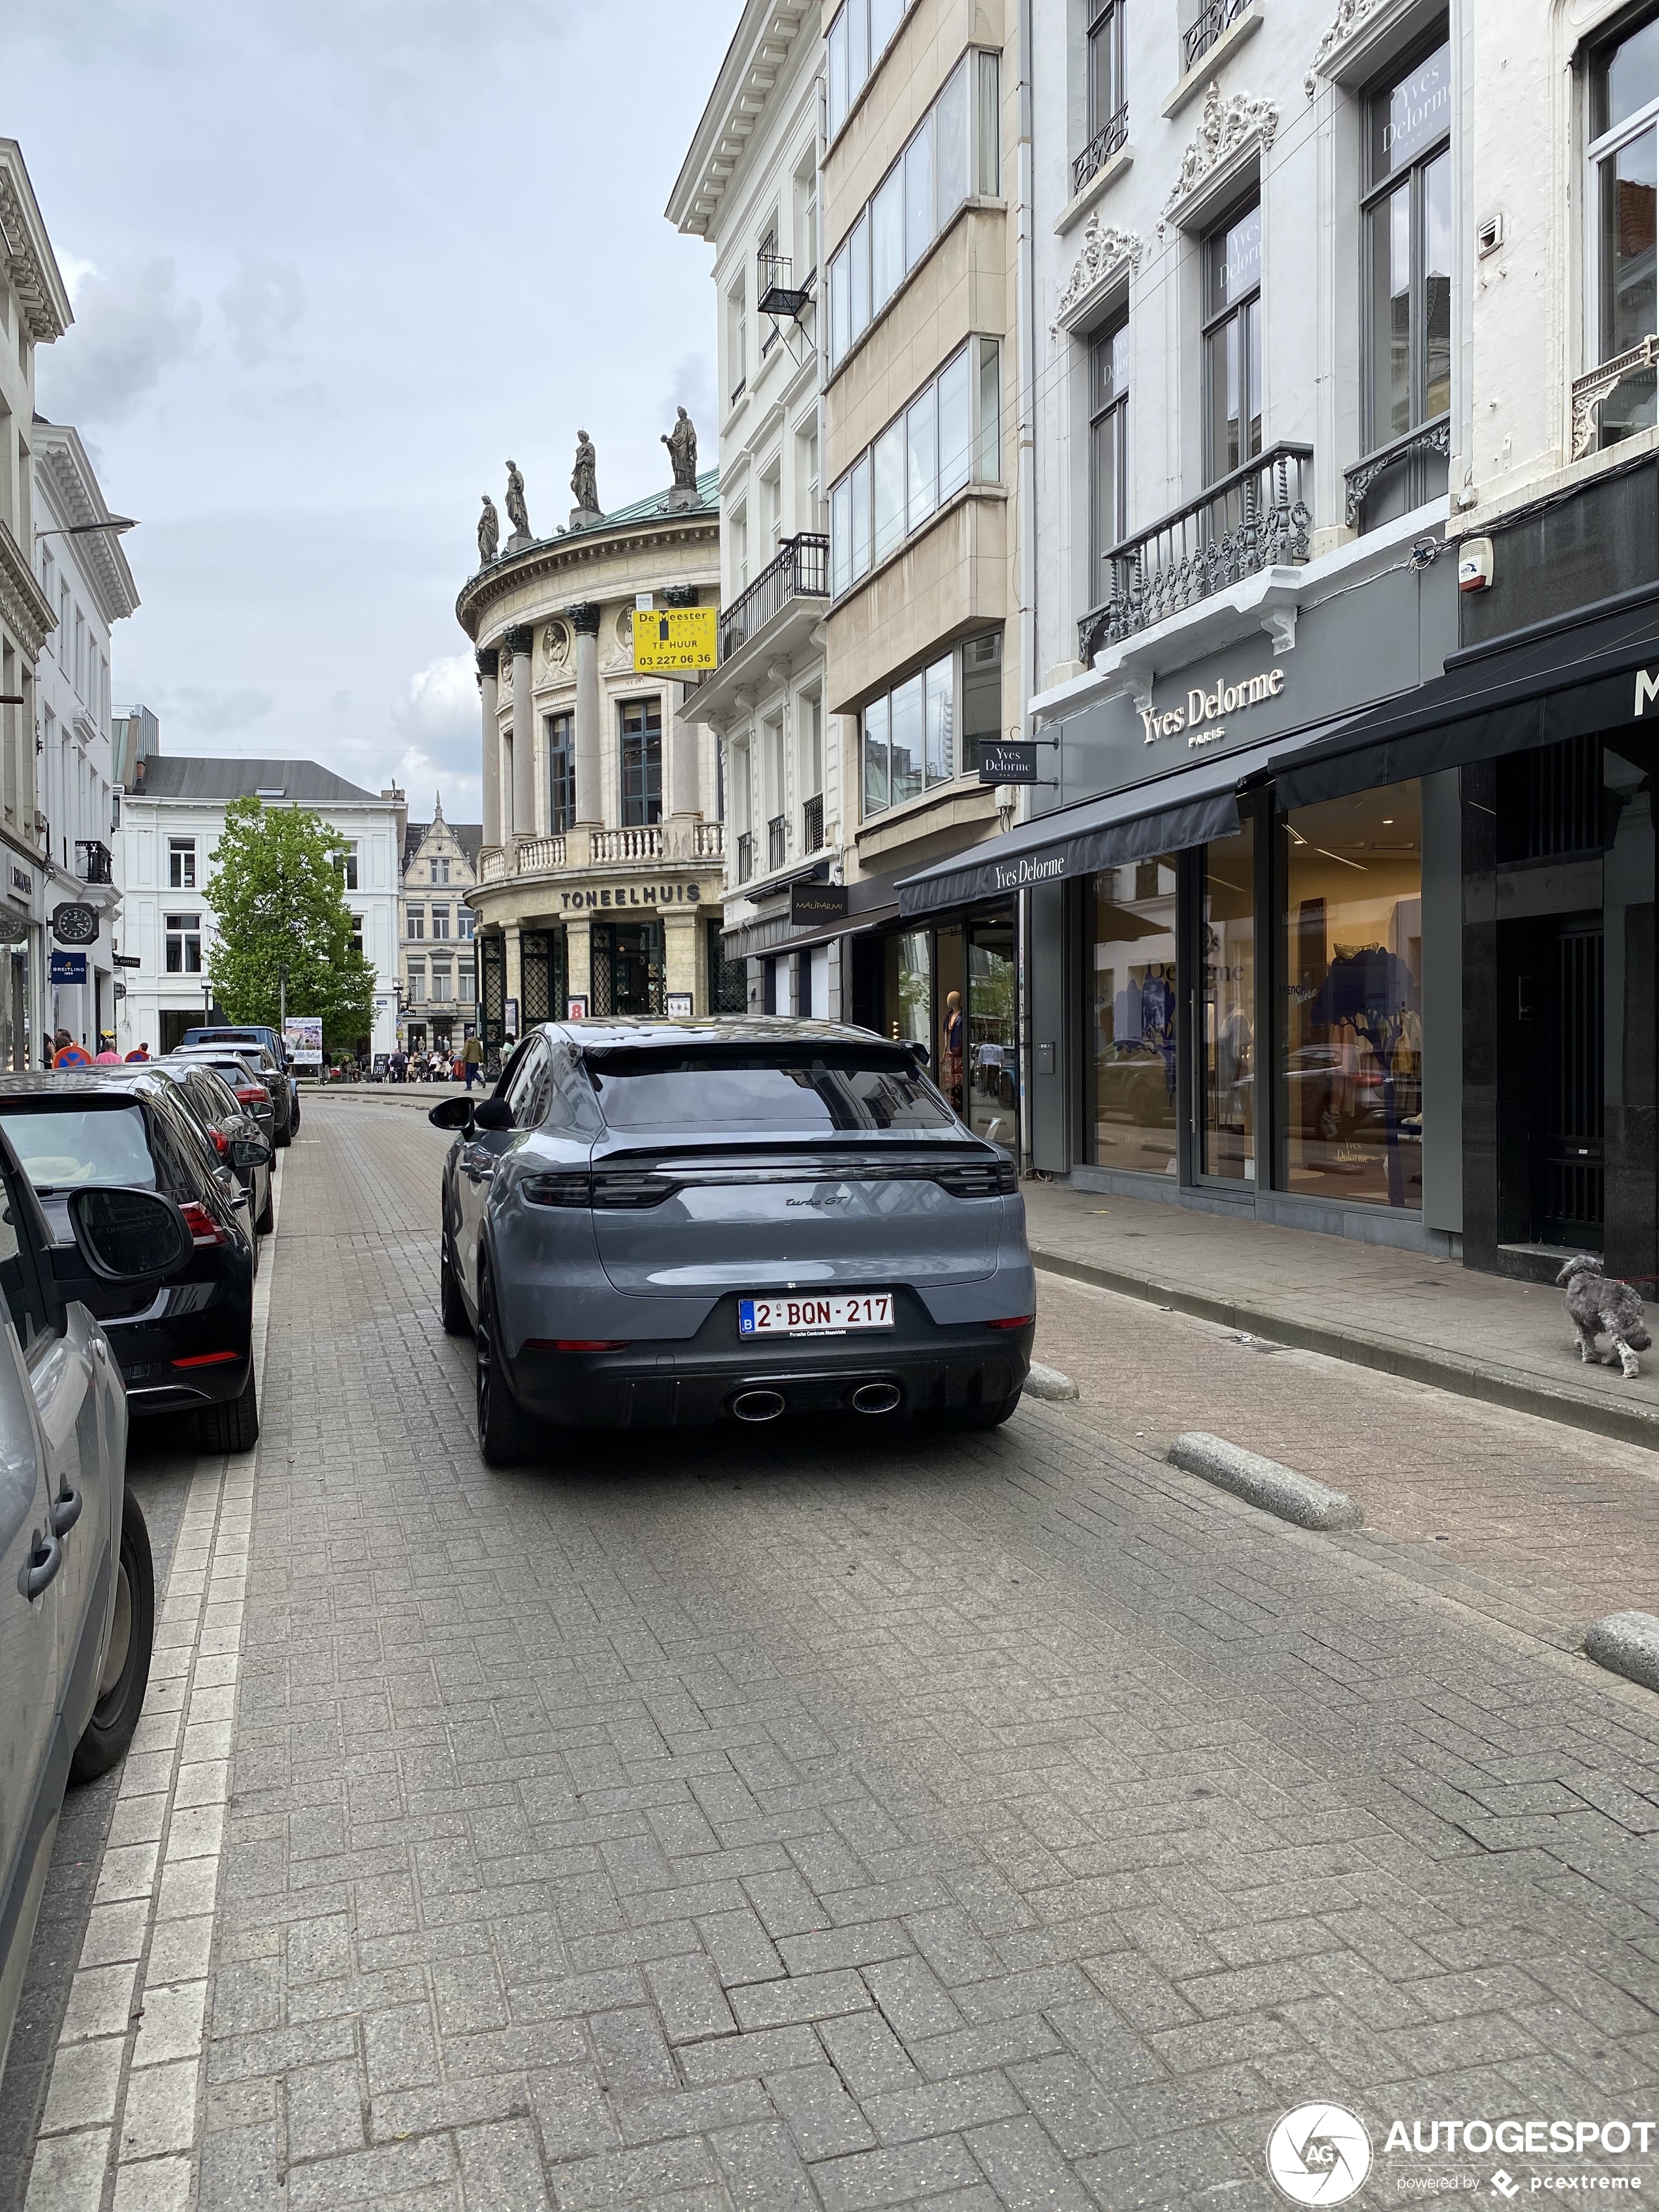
x=805 y=1088
x=62 y=1148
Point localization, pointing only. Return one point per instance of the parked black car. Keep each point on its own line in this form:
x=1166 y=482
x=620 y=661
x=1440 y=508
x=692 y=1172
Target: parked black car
x=254 y=1033
x=250 y=1090
x=238 y=1132
x=263 y=1064
x=188 y=1346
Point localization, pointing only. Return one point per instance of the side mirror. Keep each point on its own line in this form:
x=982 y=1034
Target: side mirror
x=491 y=1114
x=250 y=1153
x=124 y=1236
x=453 y=1113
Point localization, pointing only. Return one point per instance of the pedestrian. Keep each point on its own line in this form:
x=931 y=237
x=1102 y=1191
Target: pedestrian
x=67 y=1054
x=142 y=1053
x=953 y=1049
x=472 y=1058
x=400 y=1068
x=107 y=1056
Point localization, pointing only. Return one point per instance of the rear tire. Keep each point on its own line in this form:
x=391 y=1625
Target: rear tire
x=504 y=1436
x=452 y=1307
x=284 y=1138
x=232 y=1426
x=991 y=1416
x=126 y=1661
x=267 y=1220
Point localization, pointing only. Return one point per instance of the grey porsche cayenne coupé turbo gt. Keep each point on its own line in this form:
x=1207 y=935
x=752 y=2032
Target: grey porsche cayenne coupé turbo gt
x=656 y=1222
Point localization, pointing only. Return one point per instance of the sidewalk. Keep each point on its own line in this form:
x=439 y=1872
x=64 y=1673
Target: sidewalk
x=1401 y=1312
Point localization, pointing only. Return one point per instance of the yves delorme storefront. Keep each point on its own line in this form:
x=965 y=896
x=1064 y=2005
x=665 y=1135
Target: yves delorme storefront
x=1389 y=975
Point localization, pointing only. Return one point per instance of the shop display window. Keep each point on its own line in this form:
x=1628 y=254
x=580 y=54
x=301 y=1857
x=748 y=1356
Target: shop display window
x=1134 y=1010
x=1350 y=1003
x=1226 y=1074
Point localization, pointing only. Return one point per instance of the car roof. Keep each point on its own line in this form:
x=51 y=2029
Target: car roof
x=23 y=1086
x=614 y=1031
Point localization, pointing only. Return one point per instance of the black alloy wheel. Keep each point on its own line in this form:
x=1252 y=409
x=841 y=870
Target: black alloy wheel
x=126 y=1661
x=503 y=1432
x=232 y=1426
x=267 y=1220
x=452 y=1306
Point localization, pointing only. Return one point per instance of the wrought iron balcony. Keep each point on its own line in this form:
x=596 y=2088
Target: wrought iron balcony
x=812 y=824
x=745 y=857
x=1213 y=17
x=1428 y=440
x=801 y=571
x=1257 y=518
x=93 y=861
x=1111 y=138
x=777 y=293
x=777 y=841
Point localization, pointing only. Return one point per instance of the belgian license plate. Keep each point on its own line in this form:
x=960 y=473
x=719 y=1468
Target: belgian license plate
x=815 y=1316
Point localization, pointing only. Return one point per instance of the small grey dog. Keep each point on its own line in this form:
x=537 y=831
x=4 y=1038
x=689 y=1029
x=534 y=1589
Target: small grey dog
x=1596 y=1307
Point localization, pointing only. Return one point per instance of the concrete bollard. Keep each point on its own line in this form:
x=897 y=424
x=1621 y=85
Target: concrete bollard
x=1049 y=1382
x=1263 y=1482
x=1626 y=1643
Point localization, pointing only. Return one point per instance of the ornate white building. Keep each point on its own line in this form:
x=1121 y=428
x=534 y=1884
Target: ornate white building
x=439 y=1008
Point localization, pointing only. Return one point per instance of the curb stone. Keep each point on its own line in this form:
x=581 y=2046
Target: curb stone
x=1042 y=1382
x=1265 y=1483
x=1626 y=1643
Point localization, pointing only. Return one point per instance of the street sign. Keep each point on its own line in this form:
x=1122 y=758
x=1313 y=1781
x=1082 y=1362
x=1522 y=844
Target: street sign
x=1000 y=762
x=575 y=1010
x=127 y=959
x=69 y=967
x=302 y=1034
x=118 y=990
x=816 y=902
x=674 y=640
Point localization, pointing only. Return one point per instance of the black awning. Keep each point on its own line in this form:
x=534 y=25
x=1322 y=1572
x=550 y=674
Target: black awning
x=1189 y=807
x=1564 y=678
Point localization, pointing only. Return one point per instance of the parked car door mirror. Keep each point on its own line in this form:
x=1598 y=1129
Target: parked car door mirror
x=250 y=1153
x=454 y=1114
x=126 y=1235
x=492 y=1114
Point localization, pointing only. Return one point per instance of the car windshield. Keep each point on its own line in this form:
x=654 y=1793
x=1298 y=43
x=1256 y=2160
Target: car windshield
x=62 y=1148
x=803 y=1088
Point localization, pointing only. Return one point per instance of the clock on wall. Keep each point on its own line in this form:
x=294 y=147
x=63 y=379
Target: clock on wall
x=75 y=924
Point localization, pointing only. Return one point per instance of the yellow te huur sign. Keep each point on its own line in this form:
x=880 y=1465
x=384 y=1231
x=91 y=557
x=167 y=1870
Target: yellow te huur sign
x=673 y=641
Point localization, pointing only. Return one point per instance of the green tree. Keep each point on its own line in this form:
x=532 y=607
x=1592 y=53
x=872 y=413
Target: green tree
x=277 y=895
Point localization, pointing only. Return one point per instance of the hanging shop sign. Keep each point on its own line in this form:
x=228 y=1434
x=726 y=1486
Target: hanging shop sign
x=1007 y=763
x=75 y=924
x=675 y=640
x=816 y=902
x=69 y=967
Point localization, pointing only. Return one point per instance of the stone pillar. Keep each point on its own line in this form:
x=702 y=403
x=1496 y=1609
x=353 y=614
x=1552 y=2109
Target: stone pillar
x=590 y=798
x=681 y=935
x=518 y=643
x=578 y=959
x=489 y=662
x=681 y=739
x=515 y=966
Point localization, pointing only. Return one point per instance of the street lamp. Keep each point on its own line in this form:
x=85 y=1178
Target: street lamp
x=118 y=523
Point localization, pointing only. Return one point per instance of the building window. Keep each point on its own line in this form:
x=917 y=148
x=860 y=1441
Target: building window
x=357 y=932
x=440 y=921
x=949 y=435
x=345 y=859
x=561 y=772
x=1131 y=963
x=1108 y=449
x=469 y=986
x=184 y=944
x=1624 y=195
x=415 y=926
x=737 y=340
x=181 y=864
x=859 y=35
x=417 y=985
x=467 y=920
x=1232 y=342
x=439 y=871
x=441 y=978
x=1408 y=245
x=1350 y=1004
x=642 y=762
x=953 y=154
x=1225 y=1031
x=927 y=730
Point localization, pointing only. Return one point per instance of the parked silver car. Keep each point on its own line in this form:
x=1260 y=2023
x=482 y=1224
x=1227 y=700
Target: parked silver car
x=675 y=1222
x=77 y=1596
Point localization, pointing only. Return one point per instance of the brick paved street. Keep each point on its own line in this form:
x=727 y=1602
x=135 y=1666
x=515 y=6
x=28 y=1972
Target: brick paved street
x=742 y=1819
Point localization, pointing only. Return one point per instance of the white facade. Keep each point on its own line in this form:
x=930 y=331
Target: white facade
x=439 y=961
x=171 y=822
x=748 y=185
x=85 y=577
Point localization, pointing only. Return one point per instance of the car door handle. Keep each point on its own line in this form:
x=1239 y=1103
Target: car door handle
x=45 y=1558
x=65 y=1511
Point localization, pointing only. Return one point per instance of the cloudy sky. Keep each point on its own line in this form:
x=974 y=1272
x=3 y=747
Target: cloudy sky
x=331 y=262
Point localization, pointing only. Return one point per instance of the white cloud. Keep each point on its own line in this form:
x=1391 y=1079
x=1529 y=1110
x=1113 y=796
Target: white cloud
x=127 y=330
x=213 y=711
x=441 y=703
x=263 y=307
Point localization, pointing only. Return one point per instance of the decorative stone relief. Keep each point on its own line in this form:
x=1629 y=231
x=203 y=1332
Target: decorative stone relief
x=1350 y=16
x=1105 y=250
x=556 y=644
x=625 y=629
x=1224 y=128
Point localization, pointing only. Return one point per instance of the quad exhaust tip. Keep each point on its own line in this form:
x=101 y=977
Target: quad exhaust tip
x=758 y=1405
x=876 y=1397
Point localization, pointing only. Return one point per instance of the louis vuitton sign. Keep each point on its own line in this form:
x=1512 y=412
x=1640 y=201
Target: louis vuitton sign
x=1200 y=720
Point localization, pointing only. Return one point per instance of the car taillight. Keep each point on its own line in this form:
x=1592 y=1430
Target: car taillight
x=574 y=1187
x=575 y=1343
x=256 y=1095
x=203 y=1228
x=220 y=1142
x=206 y=1359
x=978 y=1178
x=1014 y=1320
